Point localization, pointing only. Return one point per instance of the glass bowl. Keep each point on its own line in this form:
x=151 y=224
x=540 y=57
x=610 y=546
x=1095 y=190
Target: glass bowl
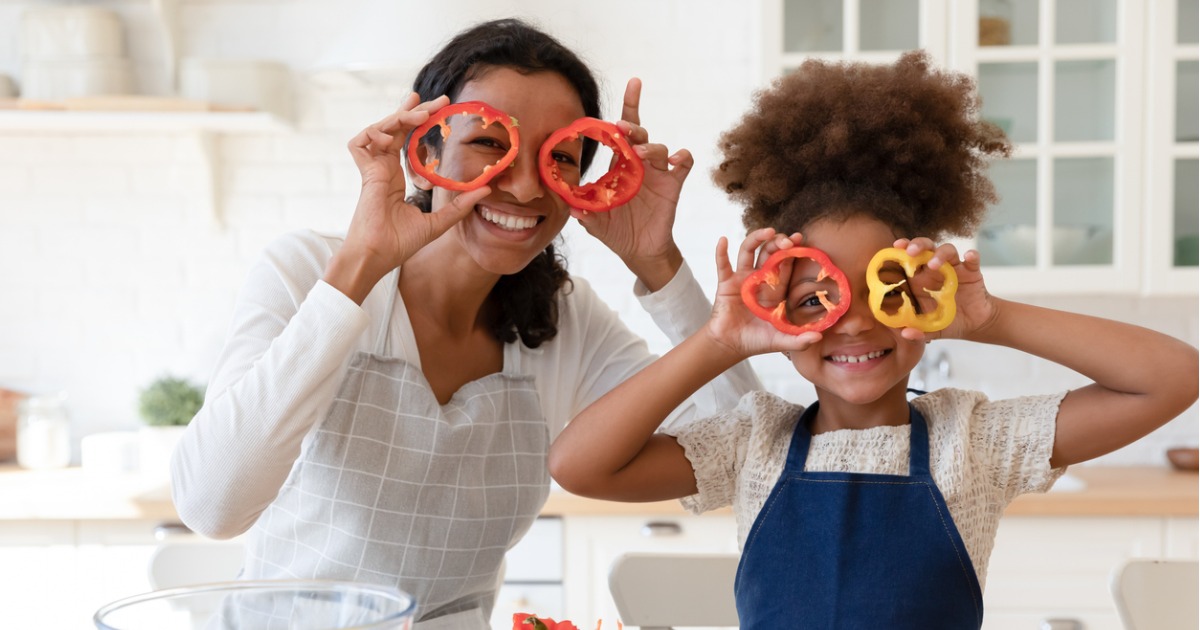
x=262 y=604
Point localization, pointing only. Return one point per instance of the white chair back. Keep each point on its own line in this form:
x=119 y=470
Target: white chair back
x=1158 y=594
x=183 y=558
x=658 y=591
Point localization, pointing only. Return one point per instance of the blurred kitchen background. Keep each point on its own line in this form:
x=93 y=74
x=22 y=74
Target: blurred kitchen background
x=149 y=149
x=125 y=236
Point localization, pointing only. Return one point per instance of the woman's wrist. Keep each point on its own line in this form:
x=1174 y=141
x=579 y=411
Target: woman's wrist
x=658 y=271
x=352 y=275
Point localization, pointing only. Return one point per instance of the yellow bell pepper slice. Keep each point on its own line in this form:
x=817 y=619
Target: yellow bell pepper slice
x=906 y=315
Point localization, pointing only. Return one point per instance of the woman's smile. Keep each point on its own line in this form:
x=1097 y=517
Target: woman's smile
x=508 y=221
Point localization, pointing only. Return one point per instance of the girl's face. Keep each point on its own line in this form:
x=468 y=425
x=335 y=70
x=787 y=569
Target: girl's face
x=520 y=217
x=858 y=359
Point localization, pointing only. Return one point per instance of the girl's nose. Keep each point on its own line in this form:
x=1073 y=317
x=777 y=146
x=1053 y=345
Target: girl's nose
x=521 y=179
x=858 y=318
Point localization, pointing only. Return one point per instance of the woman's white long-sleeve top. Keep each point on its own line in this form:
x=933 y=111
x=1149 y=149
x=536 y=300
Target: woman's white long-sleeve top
x=292 y=337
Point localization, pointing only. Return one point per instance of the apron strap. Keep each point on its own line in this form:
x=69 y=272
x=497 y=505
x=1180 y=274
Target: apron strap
x=918 y=446
x=385 y=322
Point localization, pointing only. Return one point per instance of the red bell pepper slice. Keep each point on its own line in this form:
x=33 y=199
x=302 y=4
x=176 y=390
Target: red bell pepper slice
x=489 y=115
x=526 y=621
x=769 y=275
x=614 y=188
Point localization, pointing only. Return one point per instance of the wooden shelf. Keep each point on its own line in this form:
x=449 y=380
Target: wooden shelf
x=42 y=121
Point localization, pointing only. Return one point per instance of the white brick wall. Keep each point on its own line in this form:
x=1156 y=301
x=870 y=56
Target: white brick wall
x=113 y=271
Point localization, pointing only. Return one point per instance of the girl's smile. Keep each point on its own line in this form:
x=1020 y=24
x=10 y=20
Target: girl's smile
x=858 y=359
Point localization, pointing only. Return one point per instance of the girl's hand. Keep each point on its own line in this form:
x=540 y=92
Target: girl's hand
x=975 y=307
x=732 y=324
x=639 y=232
x=385 y=229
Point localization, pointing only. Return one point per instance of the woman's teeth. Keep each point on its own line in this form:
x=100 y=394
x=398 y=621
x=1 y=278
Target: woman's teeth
x=845 y=358
x=509 y=222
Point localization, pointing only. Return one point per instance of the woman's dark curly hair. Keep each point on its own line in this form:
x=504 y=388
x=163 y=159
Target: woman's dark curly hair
x=902 y=143
x=523 y=304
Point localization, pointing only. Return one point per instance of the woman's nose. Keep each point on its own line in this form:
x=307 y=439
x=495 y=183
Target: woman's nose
x=521 y=179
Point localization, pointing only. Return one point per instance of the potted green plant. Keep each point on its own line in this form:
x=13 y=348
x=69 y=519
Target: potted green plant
x=166 y=406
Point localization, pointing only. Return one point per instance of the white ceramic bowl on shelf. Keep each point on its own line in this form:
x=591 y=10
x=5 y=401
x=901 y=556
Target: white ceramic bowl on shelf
x=1016 y=244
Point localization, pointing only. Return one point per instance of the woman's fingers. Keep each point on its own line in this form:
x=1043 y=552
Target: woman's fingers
x=459 y=207
x=681 y=162
x=629 y=104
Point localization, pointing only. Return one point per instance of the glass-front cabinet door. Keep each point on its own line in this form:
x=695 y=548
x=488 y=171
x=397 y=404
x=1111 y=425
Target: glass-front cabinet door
x=1063 y=79
x=1171 y=192
x=1100 y=100
x=870 y=30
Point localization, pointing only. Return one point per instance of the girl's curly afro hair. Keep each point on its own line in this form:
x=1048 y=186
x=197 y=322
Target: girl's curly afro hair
x=902 y=143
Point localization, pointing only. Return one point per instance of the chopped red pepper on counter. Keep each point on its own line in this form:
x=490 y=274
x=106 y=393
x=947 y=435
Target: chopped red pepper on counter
x=614 y=188
x=779 y=316
x=526 y=621
x=441 y=118
x=898 y=310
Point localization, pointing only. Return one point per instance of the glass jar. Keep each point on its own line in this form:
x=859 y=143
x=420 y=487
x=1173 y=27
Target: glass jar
x=43 y=432
x=995 y=22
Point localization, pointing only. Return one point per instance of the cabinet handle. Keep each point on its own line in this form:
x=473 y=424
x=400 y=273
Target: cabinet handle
x=656 y=529
x=1061 y=624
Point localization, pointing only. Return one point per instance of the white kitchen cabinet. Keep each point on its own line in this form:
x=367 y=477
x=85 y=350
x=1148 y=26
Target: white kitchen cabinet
x=39 y=581
x=1060 y=568
x=594 y=542
x=1099 y=98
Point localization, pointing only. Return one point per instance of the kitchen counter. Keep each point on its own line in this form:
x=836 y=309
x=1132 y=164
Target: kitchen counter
x=72 y=494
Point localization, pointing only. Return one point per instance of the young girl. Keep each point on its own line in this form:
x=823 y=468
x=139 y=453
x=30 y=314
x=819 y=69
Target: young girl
x=383 y=407
x=864 y=510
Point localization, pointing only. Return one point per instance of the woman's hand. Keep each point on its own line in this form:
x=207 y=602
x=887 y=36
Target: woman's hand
x=385 y=229
x=639 y=232
x=976 y=309
x=732 y=324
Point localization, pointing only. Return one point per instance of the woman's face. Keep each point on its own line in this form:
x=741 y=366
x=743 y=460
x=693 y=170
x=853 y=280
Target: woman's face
x=858 y=359
x=520 y=217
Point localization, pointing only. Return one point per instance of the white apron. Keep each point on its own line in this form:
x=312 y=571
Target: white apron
x=397 y=489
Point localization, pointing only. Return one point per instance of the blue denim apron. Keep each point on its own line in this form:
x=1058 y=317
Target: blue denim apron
x=854 y=550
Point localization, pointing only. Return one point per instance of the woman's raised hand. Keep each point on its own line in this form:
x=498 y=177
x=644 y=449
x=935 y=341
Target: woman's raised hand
x=639 y=232
x=385 y=229
x=732 y=323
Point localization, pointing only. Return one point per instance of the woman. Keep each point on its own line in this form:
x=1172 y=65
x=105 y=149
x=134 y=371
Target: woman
x=373 y=416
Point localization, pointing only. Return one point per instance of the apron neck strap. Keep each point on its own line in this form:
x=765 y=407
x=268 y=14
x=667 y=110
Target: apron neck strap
x=918 y=446
x=385 y=322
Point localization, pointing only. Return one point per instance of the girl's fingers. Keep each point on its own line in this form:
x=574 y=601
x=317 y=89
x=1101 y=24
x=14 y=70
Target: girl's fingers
x=747 y=252
x=724 y=269
x=946 y=253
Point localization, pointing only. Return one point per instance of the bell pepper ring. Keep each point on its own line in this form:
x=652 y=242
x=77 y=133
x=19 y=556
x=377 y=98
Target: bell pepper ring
x=526 y=621
x=489 y=115
x=769 y=275
x=616 y=187
x=906 y=316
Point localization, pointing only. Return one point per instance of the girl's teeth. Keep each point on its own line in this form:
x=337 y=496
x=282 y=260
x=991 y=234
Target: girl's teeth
x=508 y=221
x=845 y=358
